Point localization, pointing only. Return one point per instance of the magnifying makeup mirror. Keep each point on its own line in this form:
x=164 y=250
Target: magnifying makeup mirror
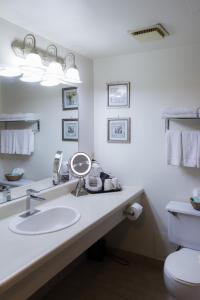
x=80 y=165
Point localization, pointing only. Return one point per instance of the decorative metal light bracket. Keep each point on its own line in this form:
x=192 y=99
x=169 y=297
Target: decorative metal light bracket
x=28 y=45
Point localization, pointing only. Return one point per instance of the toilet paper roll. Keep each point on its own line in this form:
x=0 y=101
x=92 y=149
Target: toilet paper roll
x=134 y=211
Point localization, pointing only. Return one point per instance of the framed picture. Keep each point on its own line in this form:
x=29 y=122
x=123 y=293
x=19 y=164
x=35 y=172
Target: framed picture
x=70 y=130
x=119 y=130
x=70 y=98
x=118 y=94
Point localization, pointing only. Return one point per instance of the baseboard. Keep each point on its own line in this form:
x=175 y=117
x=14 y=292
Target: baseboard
x=136 y=258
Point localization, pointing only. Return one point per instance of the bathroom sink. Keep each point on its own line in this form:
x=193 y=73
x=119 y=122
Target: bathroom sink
x=45 y=221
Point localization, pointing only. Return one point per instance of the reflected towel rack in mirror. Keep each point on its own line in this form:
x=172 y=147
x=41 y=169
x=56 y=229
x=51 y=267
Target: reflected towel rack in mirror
x=167 y=121
x=31 y=118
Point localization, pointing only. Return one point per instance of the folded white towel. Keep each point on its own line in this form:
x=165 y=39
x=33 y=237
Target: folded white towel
x=190 y=148
x=31 y=141
x=24 y=141
x=7 y=142
x=174 y=147
x=180 y=112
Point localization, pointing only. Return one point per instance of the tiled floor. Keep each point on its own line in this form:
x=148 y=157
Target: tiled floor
x=109 y=280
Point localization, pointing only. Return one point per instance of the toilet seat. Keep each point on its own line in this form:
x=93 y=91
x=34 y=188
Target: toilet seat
x=183 y=266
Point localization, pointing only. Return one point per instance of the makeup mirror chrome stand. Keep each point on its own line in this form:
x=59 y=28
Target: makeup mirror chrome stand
x=80 y=165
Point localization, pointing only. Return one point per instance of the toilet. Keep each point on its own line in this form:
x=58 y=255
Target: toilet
x=182 y=268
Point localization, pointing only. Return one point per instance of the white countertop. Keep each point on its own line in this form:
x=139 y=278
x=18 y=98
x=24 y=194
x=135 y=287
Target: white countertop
x=18 y=253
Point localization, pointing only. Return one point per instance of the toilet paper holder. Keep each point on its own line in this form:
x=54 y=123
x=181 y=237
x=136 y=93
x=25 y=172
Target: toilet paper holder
x=127 y=212
x=133 y=211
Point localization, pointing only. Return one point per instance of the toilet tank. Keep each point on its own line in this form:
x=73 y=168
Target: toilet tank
x=183 y=224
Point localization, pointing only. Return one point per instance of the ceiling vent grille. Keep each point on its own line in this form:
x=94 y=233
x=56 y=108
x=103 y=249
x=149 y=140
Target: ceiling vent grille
x=152 y=33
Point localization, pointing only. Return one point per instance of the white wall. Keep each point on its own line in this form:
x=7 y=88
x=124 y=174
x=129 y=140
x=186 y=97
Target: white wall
x=158 y=79
x=26 y=97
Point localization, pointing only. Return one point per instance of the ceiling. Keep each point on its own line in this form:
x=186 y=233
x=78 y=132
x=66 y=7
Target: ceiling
x=97 y=28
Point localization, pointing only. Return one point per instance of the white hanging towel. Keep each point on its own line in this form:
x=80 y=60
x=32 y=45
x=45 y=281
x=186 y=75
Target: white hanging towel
x=7 y=142
x=24 y=141
x=190 y=148
x=174 y=147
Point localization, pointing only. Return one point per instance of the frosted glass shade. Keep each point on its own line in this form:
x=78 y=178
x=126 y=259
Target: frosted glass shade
x=33 y=64
x=50 y=82
x=72 y=75
x=53 y=76
x=55 y=69
x=31 y=77
x=7 y=71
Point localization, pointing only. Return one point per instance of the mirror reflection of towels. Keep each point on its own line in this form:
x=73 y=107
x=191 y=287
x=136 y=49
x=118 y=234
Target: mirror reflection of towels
x=19 y=141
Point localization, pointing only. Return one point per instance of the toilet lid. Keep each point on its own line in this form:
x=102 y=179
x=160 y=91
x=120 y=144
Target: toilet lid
x=184 y=265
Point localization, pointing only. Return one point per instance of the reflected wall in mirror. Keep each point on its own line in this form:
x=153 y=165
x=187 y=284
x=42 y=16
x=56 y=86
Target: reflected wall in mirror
x=46 y=103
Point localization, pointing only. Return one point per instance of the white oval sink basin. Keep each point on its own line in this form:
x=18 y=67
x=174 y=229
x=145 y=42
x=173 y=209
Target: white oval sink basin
x=45 y=221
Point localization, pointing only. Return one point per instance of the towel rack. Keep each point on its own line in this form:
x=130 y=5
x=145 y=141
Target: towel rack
x=167 y=121
x=37 y=122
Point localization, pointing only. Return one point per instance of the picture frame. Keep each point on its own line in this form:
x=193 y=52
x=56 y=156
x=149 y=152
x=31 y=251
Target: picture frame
x=70 y=98
x=118 y=95
x=119 y=130
x=70 y=130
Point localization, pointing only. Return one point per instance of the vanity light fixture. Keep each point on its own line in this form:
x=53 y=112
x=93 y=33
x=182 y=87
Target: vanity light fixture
x=72 y=72
x=42 y=66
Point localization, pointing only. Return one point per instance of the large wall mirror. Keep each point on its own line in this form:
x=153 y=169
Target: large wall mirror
x=57 y=112
x=56 y=109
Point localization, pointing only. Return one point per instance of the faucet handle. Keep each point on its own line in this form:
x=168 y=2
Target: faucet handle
x=31 y=192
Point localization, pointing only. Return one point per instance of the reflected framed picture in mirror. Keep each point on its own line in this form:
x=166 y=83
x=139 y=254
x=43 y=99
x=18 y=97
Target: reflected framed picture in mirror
x=70 y=130
x=118 y=94
x=119 y=130
x=70 y=98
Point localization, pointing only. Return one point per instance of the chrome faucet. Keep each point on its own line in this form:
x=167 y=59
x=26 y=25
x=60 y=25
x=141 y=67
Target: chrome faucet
x=31 y=195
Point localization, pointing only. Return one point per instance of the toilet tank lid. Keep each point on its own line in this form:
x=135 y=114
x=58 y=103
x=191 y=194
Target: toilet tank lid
x=182 y=208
